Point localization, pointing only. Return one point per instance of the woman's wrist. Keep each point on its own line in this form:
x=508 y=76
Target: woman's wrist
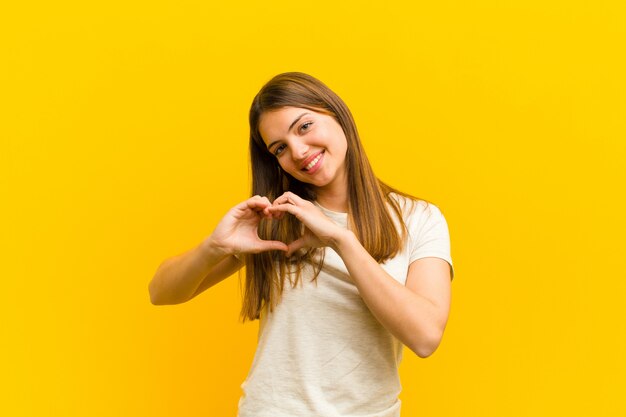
x=344 y=238
x=212 y=248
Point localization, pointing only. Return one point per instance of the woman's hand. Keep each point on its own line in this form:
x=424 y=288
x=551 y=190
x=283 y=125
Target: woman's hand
x=319 y=230
x=237 y=232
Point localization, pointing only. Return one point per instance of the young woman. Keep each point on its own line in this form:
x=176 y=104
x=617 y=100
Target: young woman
x=341 y=269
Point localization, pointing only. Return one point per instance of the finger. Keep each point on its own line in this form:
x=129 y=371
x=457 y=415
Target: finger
x=280 y=200
x=257 y=203
x=289 y=208
x=295 y=246
x=290 y=197
x=246 y=204
x=294 y=197
x=266 y=201
x=276 y=214
x=266 y=245
x=262 y=204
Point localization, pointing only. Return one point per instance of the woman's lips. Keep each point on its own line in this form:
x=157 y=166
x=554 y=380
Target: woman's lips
x=314 y=164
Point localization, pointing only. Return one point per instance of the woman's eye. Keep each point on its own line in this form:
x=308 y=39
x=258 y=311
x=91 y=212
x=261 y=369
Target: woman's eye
x=279 y=149
x=306 y=124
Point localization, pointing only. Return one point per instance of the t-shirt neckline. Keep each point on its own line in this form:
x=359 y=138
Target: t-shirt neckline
x=336 y=215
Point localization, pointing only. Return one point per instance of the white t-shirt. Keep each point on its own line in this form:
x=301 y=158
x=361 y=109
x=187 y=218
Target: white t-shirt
x=321 y=352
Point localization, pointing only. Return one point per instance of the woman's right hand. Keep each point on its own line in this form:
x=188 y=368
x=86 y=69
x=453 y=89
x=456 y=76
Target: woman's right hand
x=237 y=232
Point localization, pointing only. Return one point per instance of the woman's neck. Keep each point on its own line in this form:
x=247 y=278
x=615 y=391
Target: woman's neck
x=334 y=195
x=333 y=201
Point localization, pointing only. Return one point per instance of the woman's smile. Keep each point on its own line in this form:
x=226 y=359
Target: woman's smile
x=314 y=163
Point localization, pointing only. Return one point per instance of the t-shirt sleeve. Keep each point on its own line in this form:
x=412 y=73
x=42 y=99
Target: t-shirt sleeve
x=429 y=235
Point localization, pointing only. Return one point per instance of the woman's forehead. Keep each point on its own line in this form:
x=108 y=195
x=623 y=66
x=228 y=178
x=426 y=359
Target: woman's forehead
x=277 y=122
x=281 y=112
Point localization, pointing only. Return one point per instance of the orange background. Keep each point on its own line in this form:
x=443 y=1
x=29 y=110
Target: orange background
x=124 y=140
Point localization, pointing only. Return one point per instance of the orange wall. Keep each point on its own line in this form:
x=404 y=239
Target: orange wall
x=124 y=140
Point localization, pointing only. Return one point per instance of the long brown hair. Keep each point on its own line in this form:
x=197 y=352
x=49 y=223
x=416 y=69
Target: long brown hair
x=368 y=216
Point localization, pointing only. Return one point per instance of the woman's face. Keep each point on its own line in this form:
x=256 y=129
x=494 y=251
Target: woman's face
x=308 y=145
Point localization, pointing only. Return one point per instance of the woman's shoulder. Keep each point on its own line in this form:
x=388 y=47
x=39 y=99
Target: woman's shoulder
x=411 y=206
x=418 y=215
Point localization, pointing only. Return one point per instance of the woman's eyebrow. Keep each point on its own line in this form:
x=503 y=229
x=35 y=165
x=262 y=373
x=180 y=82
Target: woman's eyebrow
x=290 y=126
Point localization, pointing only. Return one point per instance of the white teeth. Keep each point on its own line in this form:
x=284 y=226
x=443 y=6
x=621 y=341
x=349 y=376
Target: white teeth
x=313 y=162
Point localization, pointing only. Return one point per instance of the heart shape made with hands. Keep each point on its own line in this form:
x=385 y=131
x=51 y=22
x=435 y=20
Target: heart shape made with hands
x=317 y=229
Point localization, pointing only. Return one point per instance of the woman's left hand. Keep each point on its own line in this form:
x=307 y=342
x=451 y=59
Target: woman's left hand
x=319 y=230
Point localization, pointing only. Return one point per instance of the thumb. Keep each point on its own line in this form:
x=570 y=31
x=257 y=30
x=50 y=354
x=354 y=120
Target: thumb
x=296 y=245
x=273 y=245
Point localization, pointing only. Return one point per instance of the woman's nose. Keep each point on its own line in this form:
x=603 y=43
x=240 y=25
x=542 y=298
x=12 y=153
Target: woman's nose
x=300 y=150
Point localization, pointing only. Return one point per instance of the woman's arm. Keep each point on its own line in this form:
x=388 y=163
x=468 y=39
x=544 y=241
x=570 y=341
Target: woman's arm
x=415 y=313
x=181 y=278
